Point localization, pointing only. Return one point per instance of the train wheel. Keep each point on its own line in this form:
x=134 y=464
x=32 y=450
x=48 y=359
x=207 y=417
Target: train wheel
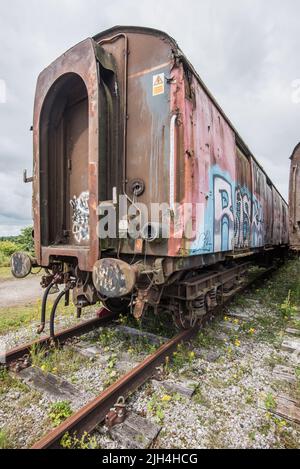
x=117 y=305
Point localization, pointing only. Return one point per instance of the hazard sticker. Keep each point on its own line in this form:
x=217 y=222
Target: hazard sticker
x=158 y=84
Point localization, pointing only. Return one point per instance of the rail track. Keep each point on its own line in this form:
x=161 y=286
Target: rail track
x=87 y=418
x=92 y=414
x=18 y=353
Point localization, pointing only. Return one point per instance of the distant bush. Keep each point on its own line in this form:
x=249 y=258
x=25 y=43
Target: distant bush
x=25 y=240
x=4 y=260
x=7 y=248
x=9 y=245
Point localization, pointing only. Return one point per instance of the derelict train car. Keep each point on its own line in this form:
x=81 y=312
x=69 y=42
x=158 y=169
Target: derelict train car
x=294 y=200
x=125 y=114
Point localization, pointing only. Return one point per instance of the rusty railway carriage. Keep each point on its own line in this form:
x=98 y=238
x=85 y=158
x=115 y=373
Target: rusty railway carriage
x=294 y=200
x=125 y=113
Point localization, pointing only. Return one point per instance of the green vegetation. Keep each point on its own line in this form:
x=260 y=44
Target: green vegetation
x=158 y=405
x=7 y=381
x=139 y=346
x=112 y=339
x=106 y=337
x=9 y=245
x=110 y=370
x=276 y=359
x=201 y=398
x=12 y=318
x=58 y=360
x=287 y=309
x=5 y=442
x=4 y=260
x=282 y=429
x=25 y=239
x=250 y=396
x=60 y=411
x=270 y=402
x=72 y=442
x=183 y=357
x=206 y=338
x=283 y=288
x=159 y=324
x=280 y=294
x=5 y=272
x=7 y=248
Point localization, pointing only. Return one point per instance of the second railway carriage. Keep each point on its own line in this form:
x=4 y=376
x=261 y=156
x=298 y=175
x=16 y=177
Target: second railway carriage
x=294 y=200
x=123 y=119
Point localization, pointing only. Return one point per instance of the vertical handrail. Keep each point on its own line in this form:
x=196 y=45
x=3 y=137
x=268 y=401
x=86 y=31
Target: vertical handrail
x=295 y=194
x=172 y=162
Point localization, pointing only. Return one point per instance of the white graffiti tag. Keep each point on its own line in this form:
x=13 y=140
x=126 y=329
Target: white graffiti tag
x=80 y=218
x=257 y=224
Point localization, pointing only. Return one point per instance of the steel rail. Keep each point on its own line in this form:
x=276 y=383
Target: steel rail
x=103 y=317
x=93 y=413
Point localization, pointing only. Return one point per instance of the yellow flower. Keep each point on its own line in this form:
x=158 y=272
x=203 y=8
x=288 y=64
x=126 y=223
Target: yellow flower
x=43 y=367
x=192 y=354
x=236 y=321
x=226 y=318
x=237 y=343
x=251 y=330
x=54 y=370
x=166 y=398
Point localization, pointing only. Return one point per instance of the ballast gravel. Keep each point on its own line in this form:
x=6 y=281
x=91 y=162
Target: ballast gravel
x=233 y=372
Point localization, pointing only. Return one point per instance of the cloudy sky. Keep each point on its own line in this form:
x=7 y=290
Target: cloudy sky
x=246 y=52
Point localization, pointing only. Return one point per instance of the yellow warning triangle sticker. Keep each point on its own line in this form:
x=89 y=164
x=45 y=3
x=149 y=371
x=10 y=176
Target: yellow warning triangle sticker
x=158 y=80
x=158 y=84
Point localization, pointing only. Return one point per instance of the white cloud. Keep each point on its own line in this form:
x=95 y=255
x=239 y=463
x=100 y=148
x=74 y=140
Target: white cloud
x=11 y=230
x=2 y=91
x=245 y=51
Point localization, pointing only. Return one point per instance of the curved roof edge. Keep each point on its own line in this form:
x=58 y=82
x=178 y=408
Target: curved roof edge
x=297 y=147
x=136 y=29
x=152 y=31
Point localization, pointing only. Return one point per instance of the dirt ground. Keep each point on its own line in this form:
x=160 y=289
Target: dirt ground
x=15 y=292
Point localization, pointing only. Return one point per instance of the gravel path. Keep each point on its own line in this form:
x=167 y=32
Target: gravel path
x=15 y=292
